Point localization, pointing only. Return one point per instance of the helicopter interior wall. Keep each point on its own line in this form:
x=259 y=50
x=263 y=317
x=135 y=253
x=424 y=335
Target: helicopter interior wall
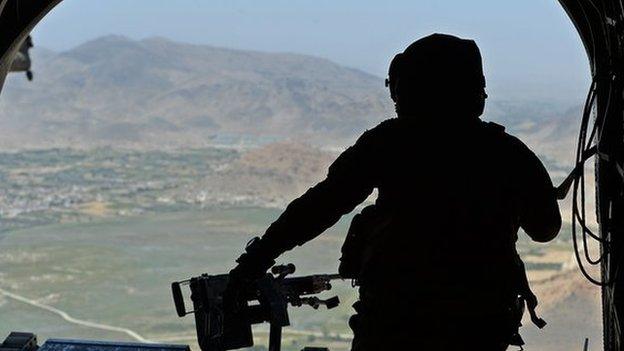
x=596 y=23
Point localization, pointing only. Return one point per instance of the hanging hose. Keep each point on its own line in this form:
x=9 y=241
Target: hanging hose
x=576 y=180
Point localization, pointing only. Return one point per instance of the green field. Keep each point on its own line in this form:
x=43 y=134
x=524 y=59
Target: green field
x=118 y=272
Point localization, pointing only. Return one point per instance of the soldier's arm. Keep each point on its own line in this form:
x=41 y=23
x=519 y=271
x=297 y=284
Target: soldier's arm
x=348 y=183
x=539 y=211
x=317 y=210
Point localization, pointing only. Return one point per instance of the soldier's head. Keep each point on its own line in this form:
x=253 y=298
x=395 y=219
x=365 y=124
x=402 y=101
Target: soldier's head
x=439 y=74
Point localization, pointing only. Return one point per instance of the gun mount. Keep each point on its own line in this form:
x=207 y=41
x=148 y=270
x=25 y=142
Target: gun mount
x=221 y=326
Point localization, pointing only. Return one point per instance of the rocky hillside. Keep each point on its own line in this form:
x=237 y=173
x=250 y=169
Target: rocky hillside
x=274 y=174
x=156 y=92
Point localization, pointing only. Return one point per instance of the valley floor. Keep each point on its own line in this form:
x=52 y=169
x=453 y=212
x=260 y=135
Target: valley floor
x=116 y=273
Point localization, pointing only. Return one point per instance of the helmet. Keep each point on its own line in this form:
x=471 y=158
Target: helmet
x=437 y=67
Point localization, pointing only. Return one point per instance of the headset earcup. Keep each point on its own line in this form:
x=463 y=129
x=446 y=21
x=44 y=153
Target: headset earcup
x=392 y=88
x=393 y=73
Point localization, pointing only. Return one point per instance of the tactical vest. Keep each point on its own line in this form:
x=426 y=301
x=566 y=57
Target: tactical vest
x=371 y=223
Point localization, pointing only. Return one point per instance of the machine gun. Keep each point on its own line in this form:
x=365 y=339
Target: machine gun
x=221 y=327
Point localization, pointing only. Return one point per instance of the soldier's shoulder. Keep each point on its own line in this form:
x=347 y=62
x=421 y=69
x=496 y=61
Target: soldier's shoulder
x=385 y=127
x=512 y=142
x=493 y=127
x=376 y=136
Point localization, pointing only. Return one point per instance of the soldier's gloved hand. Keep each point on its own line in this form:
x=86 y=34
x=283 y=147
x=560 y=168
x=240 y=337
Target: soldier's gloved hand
x=255 y=262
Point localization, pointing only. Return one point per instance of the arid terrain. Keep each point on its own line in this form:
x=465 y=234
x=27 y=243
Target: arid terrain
x=128 y=164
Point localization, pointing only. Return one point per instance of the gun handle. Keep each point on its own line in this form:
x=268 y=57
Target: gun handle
x=178 y=299
x=332 y=302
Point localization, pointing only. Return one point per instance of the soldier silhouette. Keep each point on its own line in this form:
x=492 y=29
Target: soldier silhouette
x=435 y=255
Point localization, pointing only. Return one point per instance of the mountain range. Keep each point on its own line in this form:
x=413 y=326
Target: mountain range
x=113 y=90
x=156 y=93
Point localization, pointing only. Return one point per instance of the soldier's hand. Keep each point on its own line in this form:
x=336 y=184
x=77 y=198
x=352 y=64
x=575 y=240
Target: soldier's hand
x=252 y=265
x=256 y=260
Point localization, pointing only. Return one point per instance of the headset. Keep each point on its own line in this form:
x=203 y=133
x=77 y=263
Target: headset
x=400 y=67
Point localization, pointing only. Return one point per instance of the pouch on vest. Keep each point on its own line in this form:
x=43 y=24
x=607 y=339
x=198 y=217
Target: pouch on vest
x=357 y=250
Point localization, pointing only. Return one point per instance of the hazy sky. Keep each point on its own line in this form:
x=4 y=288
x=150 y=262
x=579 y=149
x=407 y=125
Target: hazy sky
x=530 y=48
